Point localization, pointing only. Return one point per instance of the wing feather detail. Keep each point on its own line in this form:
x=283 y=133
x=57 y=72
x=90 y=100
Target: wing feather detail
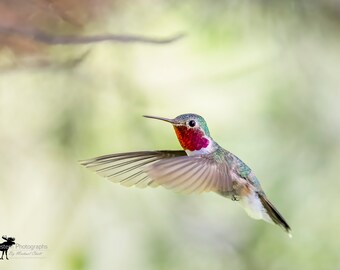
x=128 y=169
x=191 y=174
x=171 y=169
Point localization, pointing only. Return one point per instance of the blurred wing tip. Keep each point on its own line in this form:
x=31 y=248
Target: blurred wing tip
x=88 y=163
x=85 y=163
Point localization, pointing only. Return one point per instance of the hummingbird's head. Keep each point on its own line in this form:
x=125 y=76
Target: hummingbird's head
x=191 y=130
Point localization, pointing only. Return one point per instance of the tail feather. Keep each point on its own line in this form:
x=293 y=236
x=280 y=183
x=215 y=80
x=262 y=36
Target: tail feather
x=274 y=213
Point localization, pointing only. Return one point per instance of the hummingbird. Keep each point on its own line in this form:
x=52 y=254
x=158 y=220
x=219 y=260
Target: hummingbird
x=202 y=166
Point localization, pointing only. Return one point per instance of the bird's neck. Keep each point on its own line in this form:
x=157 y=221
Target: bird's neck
x=194 y=141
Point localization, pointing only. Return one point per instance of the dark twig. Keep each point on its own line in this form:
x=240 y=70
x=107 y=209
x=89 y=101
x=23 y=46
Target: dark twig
x=43 y=37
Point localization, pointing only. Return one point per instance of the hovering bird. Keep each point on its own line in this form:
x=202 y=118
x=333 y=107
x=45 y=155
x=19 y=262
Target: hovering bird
x=201 y=166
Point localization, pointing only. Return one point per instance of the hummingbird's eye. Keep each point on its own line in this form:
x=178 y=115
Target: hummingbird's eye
x=192 y=123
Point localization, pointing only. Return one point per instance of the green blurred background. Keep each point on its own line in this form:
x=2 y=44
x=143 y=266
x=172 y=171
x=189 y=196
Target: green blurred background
x=264 y=74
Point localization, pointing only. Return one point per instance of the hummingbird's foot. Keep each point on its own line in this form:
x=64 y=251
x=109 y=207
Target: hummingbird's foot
x=235 y=198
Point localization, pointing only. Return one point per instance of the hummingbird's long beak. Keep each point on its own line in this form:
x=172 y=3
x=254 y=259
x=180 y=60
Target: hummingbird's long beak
x=172 y=121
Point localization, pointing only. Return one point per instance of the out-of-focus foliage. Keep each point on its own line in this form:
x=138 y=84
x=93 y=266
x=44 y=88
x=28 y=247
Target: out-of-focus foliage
x=264 y=74
x=62 y=16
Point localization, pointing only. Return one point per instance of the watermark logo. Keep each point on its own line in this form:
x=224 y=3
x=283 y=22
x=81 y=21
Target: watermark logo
x=6 y=245
x=16 y=250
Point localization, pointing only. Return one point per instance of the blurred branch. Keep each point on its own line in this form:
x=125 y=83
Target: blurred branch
x=43 y=37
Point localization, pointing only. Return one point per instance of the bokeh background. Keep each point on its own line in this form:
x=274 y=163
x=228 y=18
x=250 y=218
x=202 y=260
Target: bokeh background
x=264 y=74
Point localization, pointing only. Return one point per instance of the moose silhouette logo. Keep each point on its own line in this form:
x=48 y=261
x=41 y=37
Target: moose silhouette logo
x=6 y=245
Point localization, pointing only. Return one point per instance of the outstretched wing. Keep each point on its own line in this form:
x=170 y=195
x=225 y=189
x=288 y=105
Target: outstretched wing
x=191 y=174
x=171 y=169
x=128 y=168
